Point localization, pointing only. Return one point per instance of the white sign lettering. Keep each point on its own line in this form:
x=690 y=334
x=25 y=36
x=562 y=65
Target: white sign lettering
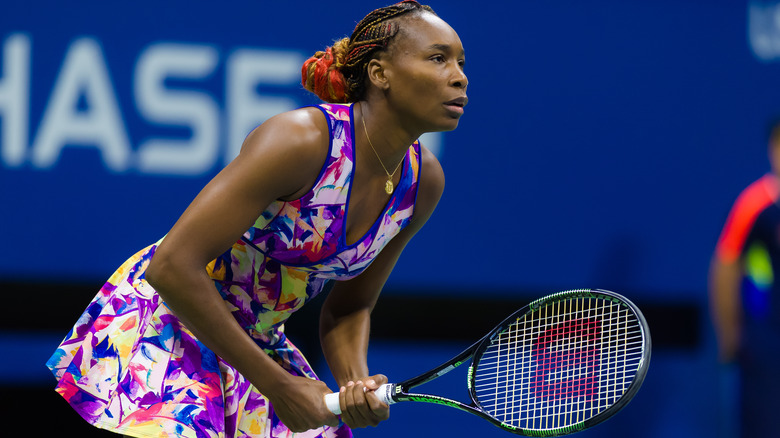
x=168 y=89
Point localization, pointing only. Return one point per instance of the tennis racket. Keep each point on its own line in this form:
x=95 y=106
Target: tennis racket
x=563 y=363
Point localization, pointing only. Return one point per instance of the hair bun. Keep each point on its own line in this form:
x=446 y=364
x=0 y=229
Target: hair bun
x=321 y=74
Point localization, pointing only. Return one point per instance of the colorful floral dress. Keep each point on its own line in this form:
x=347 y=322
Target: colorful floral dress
x=130 y=366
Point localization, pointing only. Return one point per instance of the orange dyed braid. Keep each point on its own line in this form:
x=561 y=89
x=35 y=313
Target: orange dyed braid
x=325 y=78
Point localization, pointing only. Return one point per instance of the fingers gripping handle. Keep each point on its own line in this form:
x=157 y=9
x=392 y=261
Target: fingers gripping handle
x=332 y=401
x=383 y=393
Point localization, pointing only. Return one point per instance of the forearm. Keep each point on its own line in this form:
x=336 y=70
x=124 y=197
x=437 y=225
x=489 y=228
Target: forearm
x=194 y=300
x=344 y=340
x=345 y=319
x=725 y=306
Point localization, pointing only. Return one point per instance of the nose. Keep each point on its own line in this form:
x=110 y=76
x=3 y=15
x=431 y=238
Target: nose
x=459 y=79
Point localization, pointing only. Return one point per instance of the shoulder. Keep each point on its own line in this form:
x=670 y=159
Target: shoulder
x=430 y=184
x=431 y=172
x=297 y=129
x=749 y=205
x=757 y=196
x=294 y=143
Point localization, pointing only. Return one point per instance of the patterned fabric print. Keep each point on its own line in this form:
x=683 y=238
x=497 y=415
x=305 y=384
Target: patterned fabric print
x=294 y=247
x=309 y=232
x=130 y=366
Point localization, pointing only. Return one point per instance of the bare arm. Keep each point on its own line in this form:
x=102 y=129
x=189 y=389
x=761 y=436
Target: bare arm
x=346 y=314
x=725 y=306
x=280 y=158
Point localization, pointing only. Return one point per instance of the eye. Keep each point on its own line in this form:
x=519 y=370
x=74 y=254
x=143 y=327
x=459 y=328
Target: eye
x=462 y=63
x=438 y=58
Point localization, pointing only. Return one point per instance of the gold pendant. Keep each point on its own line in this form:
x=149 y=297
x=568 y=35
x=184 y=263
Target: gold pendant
x=389 y=187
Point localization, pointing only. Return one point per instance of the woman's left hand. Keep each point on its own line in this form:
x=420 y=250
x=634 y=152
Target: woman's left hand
x=360 y=405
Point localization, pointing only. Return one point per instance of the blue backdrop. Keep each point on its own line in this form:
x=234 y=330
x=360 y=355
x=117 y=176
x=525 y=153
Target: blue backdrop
x=602 y=146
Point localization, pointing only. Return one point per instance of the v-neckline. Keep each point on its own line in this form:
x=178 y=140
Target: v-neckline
x=390 y=201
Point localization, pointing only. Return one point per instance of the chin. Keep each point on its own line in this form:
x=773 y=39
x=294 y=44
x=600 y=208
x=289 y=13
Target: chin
x=441 y=124
x=451 y=125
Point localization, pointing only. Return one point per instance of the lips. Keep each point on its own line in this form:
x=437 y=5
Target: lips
x=460 y=102
x=455 y=106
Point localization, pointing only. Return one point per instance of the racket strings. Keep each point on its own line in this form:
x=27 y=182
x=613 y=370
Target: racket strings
x=560 y=365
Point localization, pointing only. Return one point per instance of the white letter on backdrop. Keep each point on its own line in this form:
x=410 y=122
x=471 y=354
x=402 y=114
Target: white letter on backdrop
x=246 y=69
x=83 y=73
x=14 y=99
x=194 y=110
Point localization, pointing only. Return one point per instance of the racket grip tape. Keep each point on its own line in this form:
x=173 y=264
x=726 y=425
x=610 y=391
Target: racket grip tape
x=384 y=393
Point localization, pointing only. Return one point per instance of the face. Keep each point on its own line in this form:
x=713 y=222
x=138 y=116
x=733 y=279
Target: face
x=423 y=68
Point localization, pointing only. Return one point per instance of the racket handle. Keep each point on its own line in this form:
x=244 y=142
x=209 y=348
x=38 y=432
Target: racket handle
x=383 y=393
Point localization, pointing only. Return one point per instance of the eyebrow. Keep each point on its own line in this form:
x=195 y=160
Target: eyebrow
x=443 y=48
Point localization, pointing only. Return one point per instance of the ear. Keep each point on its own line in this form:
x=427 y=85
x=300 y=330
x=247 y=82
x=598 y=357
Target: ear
x=378 y=73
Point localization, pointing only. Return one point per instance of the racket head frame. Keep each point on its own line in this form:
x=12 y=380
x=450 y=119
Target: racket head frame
x=482 y=345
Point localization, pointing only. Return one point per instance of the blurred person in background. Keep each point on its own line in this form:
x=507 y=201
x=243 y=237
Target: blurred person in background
x=744 y=290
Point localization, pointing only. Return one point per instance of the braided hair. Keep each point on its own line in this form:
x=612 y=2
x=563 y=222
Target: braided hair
x=338 y=74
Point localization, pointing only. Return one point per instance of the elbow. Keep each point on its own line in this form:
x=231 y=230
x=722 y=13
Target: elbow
x=152 y=273
x=169 y=270
x=155 y=273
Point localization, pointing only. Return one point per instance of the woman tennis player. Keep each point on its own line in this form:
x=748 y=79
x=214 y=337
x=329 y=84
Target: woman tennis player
x=186 y=337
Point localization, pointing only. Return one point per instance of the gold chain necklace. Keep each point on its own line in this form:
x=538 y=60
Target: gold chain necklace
x=389 y=183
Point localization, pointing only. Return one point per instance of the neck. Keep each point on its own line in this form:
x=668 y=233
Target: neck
x=384 y=132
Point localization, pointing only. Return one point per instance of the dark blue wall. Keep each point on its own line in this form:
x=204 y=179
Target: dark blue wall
x=602 y=146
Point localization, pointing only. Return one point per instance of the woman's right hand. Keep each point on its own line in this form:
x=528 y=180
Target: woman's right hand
x=361 y=405
x=300 y=404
